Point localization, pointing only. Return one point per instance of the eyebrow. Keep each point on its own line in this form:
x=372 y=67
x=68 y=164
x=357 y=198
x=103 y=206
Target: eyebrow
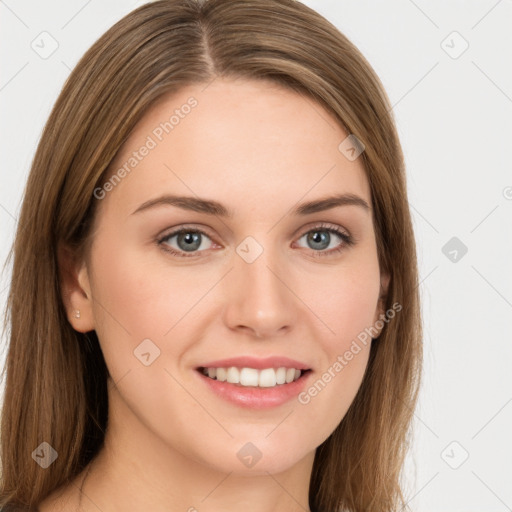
x=211 y=207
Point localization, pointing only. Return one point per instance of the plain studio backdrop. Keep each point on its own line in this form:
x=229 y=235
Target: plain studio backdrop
x=446 y=67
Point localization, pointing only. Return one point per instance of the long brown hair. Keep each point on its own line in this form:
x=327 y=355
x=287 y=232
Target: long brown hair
x=56 y=378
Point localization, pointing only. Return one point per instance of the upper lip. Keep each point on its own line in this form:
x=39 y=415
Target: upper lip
x=257 y=363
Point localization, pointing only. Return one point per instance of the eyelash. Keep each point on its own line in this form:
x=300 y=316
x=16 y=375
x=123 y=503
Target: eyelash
x=347 y=240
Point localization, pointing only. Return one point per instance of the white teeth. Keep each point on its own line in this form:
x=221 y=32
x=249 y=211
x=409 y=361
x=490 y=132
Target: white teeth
x=249 y=377
x=290 y=375
x=266 y=378
x=233 y=375
x=281 y=376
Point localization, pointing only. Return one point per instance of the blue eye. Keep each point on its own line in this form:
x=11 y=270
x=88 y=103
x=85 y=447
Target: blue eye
x=320 y=238
x=189 y=242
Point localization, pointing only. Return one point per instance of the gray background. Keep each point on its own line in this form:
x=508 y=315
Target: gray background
x=453 y=109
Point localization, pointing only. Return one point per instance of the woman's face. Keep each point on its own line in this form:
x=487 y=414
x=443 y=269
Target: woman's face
x=259 y=274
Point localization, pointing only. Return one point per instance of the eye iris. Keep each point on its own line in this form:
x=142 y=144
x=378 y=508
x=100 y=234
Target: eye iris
x=319 y=237
x=193 y=241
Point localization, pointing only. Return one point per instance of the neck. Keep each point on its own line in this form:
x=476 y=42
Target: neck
x=136 y=470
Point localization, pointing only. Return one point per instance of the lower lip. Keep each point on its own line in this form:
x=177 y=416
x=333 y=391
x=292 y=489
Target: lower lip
x=256 y=397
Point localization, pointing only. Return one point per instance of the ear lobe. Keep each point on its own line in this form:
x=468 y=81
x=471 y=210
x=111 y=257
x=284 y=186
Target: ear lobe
x=75 y=290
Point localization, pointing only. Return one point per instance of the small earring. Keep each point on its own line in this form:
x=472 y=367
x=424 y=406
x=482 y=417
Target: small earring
x=77 y=313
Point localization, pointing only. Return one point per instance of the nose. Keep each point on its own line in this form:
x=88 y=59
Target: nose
x=259 y=301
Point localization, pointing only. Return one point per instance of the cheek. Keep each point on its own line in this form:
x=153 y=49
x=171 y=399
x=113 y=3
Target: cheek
x=138 y=300
x=138 y=297
x=325 y=402
x=347 y=307
x=344 y=300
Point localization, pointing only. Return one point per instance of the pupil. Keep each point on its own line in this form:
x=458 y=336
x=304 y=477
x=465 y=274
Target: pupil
x=317 y=237
x=192 y=241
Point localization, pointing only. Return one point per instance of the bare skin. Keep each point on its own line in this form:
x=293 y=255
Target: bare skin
x=171 y=444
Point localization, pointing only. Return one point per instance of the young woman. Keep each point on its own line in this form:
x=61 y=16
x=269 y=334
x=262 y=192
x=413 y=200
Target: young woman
x=214 y=296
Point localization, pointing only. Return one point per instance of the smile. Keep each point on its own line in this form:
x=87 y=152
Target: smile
x=252 y=377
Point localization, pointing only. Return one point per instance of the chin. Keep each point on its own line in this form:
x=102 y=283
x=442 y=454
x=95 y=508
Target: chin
x=256 y=455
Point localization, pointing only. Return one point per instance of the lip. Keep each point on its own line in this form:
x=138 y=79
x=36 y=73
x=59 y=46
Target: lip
x=251 y=397
x=256 y=363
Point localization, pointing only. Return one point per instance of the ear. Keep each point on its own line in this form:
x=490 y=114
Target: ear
x=380 y=310
x=75 y=289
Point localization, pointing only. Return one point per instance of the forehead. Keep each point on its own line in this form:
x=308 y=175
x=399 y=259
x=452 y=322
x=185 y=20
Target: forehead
x=244 y=143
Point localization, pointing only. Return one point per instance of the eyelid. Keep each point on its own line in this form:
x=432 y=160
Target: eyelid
x=347 y=239
x=323 y=225
x=184 y=227
x=176 y=231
